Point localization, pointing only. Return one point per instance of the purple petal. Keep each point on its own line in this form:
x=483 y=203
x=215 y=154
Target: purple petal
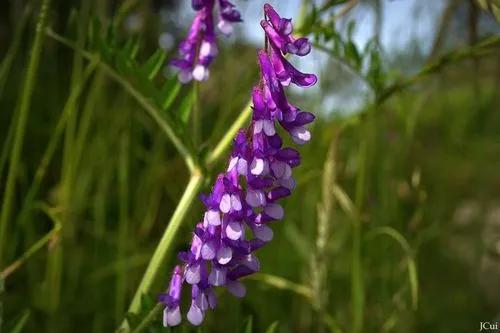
x=236 y=288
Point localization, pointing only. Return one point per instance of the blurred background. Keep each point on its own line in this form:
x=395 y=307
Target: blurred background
x=395 y=222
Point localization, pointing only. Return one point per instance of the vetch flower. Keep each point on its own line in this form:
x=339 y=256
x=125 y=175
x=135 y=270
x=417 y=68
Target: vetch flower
x=198 y=50
x=244 y=201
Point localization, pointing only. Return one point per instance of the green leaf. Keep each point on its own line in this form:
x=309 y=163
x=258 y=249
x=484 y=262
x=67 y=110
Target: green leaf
x=248 y=326
x=352 y=54
x=273 y=328
x=153 y=65
x=168 y=93
x=18 y=325
x=186 y=107
x=350 y=29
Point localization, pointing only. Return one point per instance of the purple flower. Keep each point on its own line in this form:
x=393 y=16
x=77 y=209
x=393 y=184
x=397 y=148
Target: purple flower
x=244 y=201
x=199 y=49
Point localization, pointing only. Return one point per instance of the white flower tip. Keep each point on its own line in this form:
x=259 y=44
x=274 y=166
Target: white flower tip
x=234 y=230
x=225 y=27
x=225 y=203
x=200 y=73
x=195 y=315
x=208 y=49
x=171 y=317
x=224 y=255
x=300 y=135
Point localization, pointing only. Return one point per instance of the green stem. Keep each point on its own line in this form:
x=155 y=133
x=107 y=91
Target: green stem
x=227 y=139
x=167 y=240
x=150 y=317
x=24 y=108
x=31 y=251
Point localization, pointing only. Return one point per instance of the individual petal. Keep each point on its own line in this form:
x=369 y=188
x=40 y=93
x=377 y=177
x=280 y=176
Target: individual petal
x=300 y=135
x=225 y=27
x=234 y=230
x=257 y=166
x=192 y=274
x=202 y=301
x=275 y=211
x=195 y=315
x=208 y=250
x=200 y=73
x=212 y=217
x=232 y=163
x=289 y=183
x=251 y=262
x=255 y=198
x=236 y=288
x=303 y=46
x=208 y=48
x=278 y=169
x=268 y=127
x=303 y=118
x=263 y=232
x=284 y=70
x=224 y=255
x=257 y=126
x=235 y=202
x=217 y=277
x=242 y=167
x=171 y=317
x=225 y=203
x=275 y=38
x=278 y=193
x=185 y=76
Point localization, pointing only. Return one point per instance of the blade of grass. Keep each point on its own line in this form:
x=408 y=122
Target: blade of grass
x=23 y=114
x=123 y=220
x=11 y=53
x=30 y=252
x=183 y=145
x=410 y=260
x=52 y=145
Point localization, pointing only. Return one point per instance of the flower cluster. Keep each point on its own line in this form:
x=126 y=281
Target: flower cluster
x=244 y=200
x=199 y=49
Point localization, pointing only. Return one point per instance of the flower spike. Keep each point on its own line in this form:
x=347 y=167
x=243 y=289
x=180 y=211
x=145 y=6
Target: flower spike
x=198 y=50
x=245 y=199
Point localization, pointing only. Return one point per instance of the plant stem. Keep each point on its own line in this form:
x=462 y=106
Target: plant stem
x=149 y=318
x=226 y=140
x=31 y=251
x=167 y=240
x=25 y=103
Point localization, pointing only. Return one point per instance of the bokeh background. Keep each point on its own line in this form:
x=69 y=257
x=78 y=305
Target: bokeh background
x=395 y=222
